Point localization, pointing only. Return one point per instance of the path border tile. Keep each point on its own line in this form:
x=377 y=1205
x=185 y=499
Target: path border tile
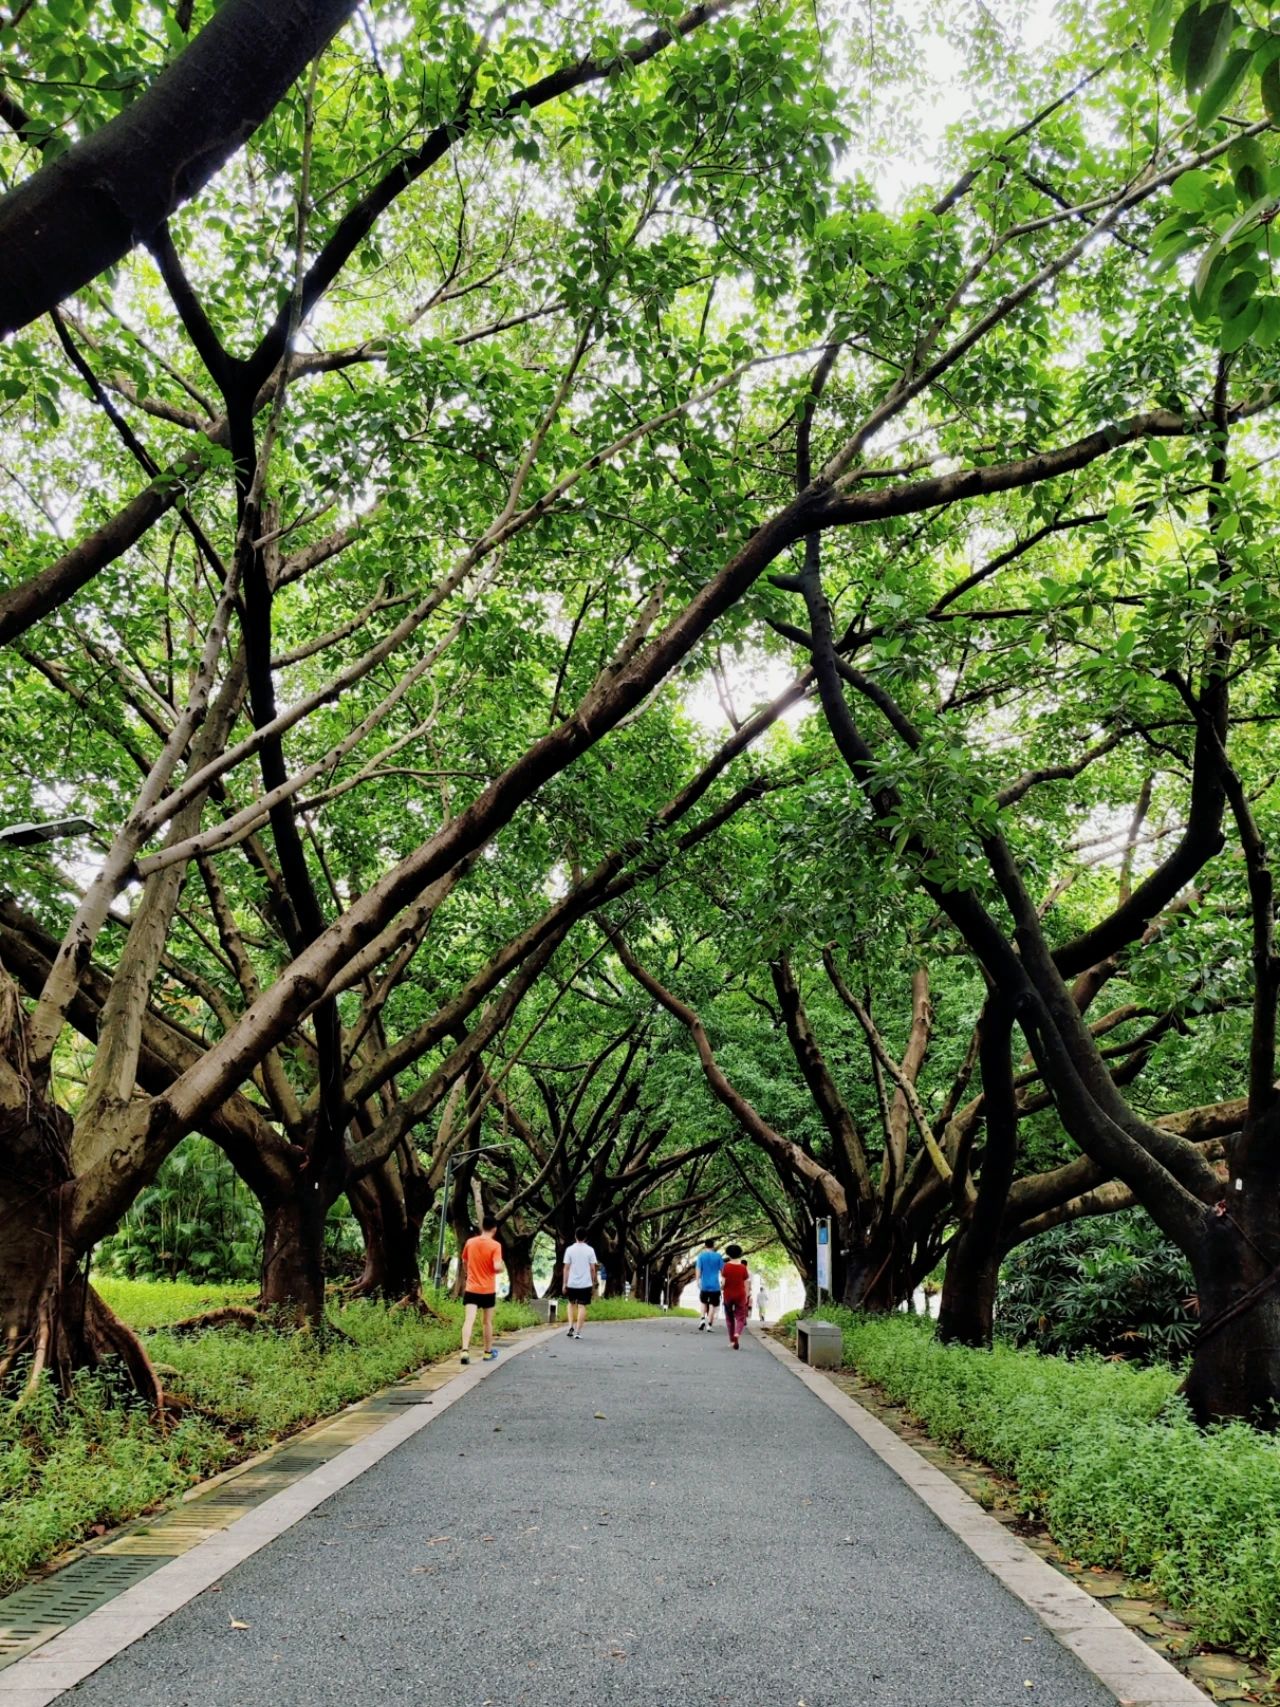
x=67 y=1659
x=1121 y=1661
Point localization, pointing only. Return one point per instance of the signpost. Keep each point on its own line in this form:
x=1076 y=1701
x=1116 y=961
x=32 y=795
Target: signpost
x=824 y=1256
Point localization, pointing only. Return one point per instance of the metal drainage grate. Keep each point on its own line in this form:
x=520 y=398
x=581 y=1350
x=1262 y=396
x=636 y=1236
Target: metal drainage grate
x=240 y=1495
x=34 y=1614
x=409 y=1399
x=297 y=1463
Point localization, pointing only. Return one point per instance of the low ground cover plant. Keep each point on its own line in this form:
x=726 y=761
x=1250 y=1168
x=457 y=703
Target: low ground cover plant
x=1108 y=1457
x=96 y=1459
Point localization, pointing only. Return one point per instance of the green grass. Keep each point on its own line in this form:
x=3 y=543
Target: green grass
x=627 y=1310
x=1108 y=1457
x=148 y=1304
x=66 y=1470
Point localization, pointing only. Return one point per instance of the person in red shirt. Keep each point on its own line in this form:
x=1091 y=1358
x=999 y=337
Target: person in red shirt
x=735 y=1282
x=482 y=1261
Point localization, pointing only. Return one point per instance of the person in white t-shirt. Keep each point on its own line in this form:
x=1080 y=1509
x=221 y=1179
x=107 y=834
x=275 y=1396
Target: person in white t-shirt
x=762 y=1296
x=580 y=1270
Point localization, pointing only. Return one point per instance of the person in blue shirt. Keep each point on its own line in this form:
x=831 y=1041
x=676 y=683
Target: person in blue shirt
x=710 y=1266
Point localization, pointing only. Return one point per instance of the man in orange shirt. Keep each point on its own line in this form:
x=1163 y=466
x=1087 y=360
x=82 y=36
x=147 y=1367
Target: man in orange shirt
x=482 y=1261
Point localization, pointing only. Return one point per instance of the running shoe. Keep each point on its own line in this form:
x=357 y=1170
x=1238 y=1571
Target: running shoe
x=466 y=1357
x=570 y=1333
x=490 y=1357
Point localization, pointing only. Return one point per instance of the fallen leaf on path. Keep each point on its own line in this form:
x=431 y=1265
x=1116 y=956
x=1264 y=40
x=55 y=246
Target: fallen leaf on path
x=600 y=1416
x=238 y=1624
x=486 y=1537
x=437 y=1539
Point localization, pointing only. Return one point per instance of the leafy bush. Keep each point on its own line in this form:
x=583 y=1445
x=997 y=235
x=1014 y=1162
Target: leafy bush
x=1108 y=1457
x=1115 y=1286
x=197 y=1220
x=65 y=1468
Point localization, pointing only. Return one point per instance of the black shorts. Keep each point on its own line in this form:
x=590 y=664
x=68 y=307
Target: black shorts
x=709 y=1297
x=486 y=1300
x=578 y=1294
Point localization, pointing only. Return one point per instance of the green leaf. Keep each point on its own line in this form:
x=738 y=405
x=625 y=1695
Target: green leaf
x=1221 y=91
x=1271 y=91
x=1163 y=255
x=1210 y=275
x=1268 y=328
x=1248 y=165
x=1191 y=189
x=1180 y=44
x=1213 y=272
x=1237 y=332
x=1159 y=24
x=1235 y=293
x=1210 y=40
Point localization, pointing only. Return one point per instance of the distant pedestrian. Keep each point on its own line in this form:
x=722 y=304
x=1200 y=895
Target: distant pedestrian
x=580 y=1271
x=482 y=1260
x=762 y=1296
x=736 y=1280
x=710 y=1267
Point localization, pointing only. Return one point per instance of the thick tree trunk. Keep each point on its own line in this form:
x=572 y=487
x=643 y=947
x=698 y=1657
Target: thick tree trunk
x=1235 y=1367
x=869 y=1283
x=613 y=1259
x=517 y=1252
x=50 y=1317
x=293 y=1256
x=873 y=1274
x=391 y=1205
x=967 y=1312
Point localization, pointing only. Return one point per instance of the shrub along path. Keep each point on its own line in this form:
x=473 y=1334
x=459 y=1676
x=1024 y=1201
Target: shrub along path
x=641 y=1518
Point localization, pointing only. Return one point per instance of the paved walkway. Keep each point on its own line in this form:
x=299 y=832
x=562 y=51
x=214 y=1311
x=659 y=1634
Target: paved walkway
x=716 y=1538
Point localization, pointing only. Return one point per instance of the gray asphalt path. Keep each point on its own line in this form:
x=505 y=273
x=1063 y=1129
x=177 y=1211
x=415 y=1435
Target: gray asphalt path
x=716 y=1538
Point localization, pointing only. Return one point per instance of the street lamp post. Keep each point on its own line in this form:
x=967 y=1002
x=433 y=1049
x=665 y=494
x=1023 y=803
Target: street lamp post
x=461 y=1156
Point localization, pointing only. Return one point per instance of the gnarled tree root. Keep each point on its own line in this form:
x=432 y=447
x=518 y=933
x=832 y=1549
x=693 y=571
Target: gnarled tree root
x=73 y=1330
x=229 y=1315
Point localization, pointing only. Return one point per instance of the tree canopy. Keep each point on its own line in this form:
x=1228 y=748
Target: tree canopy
x=568 y=598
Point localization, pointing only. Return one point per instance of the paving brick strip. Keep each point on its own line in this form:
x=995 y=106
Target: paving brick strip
x=639 y=1519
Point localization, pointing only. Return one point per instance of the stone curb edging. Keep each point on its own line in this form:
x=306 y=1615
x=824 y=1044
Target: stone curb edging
x=1121 y=1661
x=41 y=1677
